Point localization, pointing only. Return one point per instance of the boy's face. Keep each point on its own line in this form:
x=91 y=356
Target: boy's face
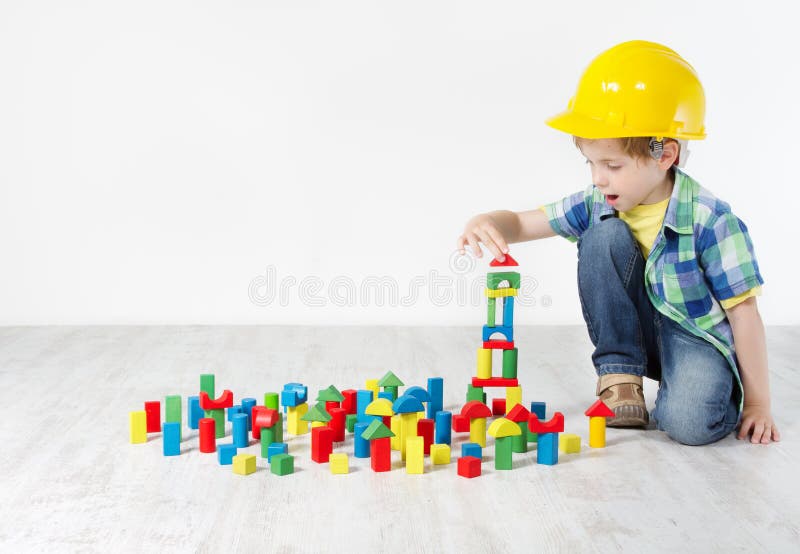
x=626 y=182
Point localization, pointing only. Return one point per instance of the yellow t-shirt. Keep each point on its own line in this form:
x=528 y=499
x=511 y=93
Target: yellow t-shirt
x=645 y=221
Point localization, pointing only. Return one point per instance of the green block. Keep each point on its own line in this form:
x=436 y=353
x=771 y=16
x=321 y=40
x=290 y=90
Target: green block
x=502 y=453
x=532 y=437
x=282 y=464
x=392 y=390
x=494 y=279
x=207 y=384
x=519 y=442
x=350 y=421
x=271 y=400
x=510 y=363
x=476 y=393
x=173 y=411
x=219 y=421
x=267 y=438
x=278 y=428
x=491 y=307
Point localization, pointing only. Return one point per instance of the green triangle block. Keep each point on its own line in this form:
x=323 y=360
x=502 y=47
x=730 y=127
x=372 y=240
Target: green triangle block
x=376 y=430
x=317 y=413
x=390 y=380
x=331 y=394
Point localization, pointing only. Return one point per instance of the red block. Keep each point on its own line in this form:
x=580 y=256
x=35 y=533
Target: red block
x=469 y=466
x=499 y=344
x=337 y=423
x=425 y=430
x=380 y=454
x=261 y=416
x=224 y=401
x=495 y=382
x=321 y=444
x=555 y=425
x=349 y=402
x=153 y=411
x=208 y=441
x=460 y=423
x=498 y=406
x=330 y=404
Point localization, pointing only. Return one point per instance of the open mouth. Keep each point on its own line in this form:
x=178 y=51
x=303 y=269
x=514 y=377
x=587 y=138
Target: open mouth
x=612 y=197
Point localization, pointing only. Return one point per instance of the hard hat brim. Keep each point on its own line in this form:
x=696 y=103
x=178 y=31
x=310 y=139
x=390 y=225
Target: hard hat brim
x=586 y=127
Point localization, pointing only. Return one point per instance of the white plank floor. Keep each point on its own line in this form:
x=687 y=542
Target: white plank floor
x=71 y=482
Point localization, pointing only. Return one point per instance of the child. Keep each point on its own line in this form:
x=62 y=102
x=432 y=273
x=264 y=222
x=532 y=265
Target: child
x=667 y=274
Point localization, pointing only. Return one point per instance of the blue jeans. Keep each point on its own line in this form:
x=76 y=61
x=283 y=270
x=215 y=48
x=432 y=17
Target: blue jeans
x=698 y=398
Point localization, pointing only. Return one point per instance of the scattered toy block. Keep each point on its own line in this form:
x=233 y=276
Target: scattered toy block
x=338 y=464
x=196 y=413
x=173 y=412
x=247 y=409
x=547 y=449
x=321 y=444
x=502 y=453
x=496 y=279
x=232 y=411
x=498 y=406
x=390 y=383
x=460 y=423
x=364 y=399
x=436 y=395
x=506 y=332
x=207 y=435
x=597 y=413
x=494 y=382
x=207 y=384
x=484 y=363
x=276 y=448
x=282 y=464
x=569 y=443
x=239 y=432
x=513 y=397
x=520 y=415
x=476 y=393
x=296 y=425
x=379 y=437
x=224 y=401
x=415 y=455
x=510 y=363
x=293 y=395
x=349 y=401
x=244 y=464
x=555 y=425
x=477 y=412
x=337 y=423
x=443 y=423
x=218 y=415
x=440 y=454
x=331 y=394
x=265 y=418
x=350 y=422
x=425 y=430
x=153 y=411
x=471 y=449
x=272 y=400
x=225 y=454
x=372 y=385
x=138 y=426
x=171 y=437
x=469 y=467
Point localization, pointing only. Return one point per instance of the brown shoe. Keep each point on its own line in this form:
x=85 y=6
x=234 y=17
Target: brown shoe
x=623 y=394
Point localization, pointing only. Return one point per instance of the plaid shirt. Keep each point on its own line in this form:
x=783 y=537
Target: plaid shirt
x=703 y=254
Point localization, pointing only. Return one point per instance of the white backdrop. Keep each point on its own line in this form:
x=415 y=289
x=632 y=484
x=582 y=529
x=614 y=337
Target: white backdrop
x=314 y=162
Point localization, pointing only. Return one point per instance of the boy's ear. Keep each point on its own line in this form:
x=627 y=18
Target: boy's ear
x=671 y=150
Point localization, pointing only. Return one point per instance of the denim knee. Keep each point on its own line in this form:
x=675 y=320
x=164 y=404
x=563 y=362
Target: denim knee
x=695 y=428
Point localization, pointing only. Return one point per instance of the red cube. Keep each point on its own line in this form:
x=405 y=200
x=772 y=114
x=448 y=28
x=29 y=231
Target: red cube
x=469 y=466
x=460 y=423
x=498 y=406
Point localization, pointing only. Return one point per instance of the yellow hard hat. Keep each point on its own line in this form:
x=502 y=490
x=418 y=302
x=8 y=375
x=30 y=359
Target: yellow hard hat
x=636 y=89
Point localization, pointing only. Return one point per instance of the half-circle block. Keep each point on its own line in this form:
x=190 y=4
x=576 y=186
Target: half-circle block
x=380 y=407
x=419 y=393
x=407 y=404
x=502 y=427
x=475 y=409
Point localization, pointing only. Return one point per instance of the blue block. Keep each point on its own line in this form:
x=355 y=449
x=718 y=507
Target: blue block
x=360 y=444
x=171 y=435
x=547 y=449
x=436 y=395
x=387 y=395
x=239 y=433
x=471 y=449
x=232 y=411
x=540 y=409
x=276 y=448
x=363 y=399
x=225 y=454
x=195 y=413
x=443 y=427
x=293 y=394
x=508 y=311
x=507 y=332
x=247 y=409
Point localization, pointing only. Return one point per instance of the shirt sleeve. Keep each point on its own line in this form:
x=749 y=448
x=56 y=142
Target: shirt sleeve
x=728 y=259
x=739 y=298
x=569 y=217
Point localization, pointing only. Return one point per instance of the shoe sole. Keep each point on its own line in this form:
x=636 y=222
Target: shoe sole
x=629 y=416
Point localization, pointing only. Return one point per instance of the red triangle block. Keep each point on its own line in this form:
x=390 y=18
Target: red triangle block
x=599 y=409
x=509 y=261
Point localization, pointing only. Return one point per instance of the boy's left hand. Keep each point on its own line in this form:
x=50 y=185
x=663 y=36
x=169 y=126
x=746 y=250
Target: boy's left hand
x=758 y=421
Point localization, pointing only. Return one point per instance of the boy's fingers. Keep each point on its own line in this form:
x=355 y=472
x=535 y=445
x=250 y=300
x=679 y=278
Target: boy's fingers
x=473 y=244
x=758 y=432
x=776 y=435
x=744 y=429
x=489 y=243
x=499 y=240
x=460 y=244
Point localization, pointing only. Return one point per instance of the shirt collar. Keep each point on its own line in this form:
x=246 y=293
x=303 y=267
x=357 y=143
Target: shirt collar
x=679 y=216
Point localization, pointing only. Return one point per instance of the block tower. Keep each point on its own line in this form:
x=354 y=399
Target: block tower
x=500 y=285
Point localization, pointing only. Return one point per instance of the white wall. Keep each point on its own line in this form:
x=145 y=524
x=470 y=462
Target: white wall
x=156 y=158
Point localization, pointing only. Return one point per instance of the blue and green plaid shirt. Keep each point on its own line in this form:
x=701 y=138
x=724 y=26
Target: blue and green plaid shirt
x=703 y=254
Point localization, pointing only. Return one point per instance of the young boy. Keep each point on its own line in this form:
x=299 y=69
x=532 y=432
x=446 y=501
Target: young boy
x=667 y=275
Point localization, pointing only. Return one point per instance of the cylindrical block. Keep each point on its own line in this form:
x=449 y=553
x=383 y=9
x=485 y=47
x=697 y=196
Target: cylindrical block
x=477 y=431
x=271 y=400
x=484 y=363
x=239 y=433
x=513 y=397
x=360 y=444
x=208 y=442
x=443 y=422
x=247 y=409
x=510 y=363
x=597 y=432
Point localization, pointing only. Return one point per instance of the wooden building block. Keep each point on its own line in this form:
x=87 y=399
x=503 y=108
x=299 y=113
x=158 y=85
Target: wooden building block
x=244 y=464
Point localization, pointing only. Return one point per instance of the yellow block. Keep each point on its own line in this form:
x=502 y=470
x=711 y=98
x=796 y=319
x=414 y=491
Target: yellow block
x=244 y=464
x=317 y=424
x=394 y=442
x=440 y=454
x=484 y=363
x=477 y=431
x=408 y=429
x=295 y=425
x=415 y=455
x=372 y=384
x=339 y=464
x=380 y=407
x=500 y=293
x=502 y=427
x=513 y=397
x=138 y=426
x=597 y=432
x=569 y=443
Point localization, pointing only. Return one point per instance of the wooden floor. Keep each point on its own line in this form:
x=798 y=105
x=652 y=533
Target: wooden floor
x=70 y=480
